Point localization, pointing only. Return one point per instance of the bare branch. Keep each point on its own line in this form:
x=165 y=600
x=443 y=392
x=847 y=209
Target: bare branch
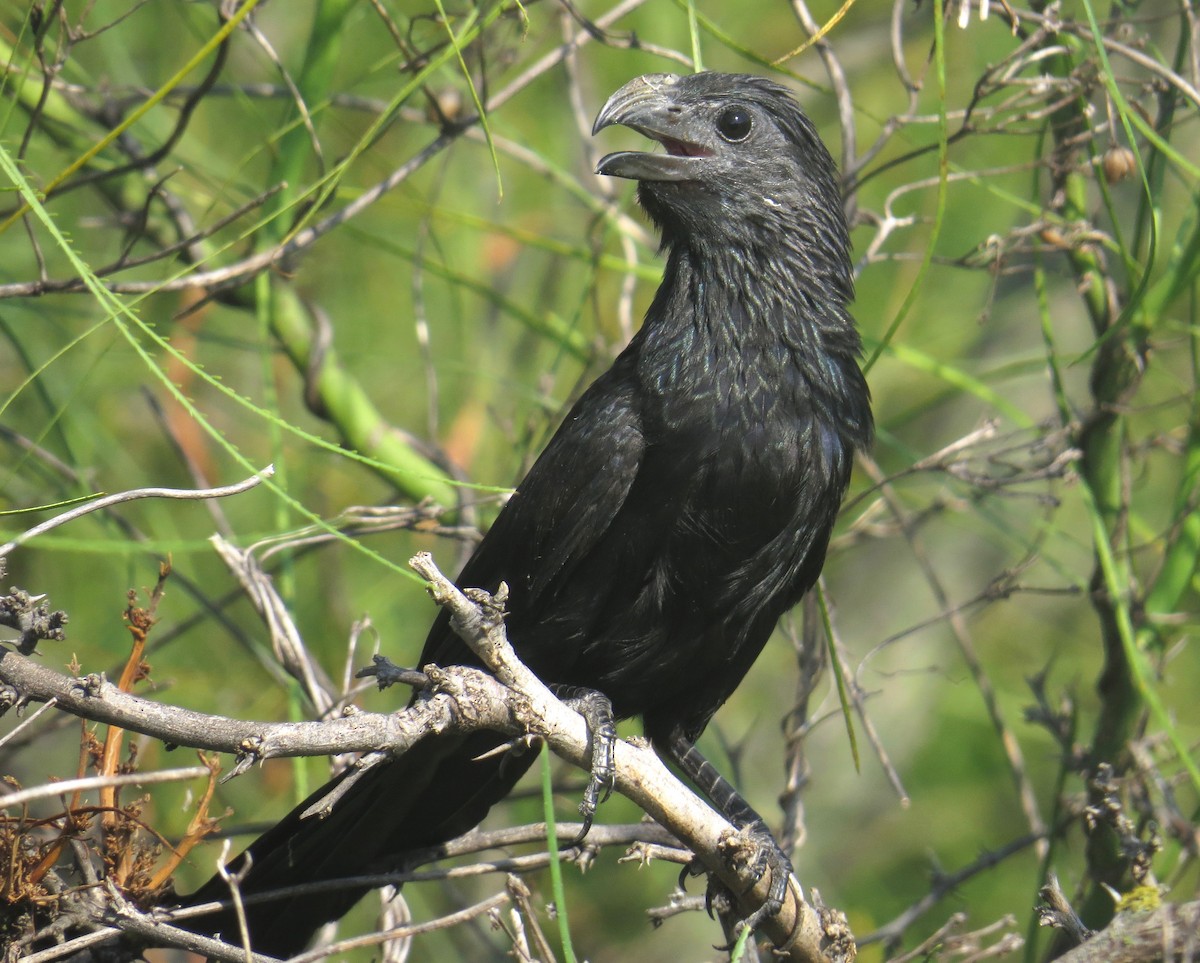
x=514 y=702
x=641 y=775
x=121 y=497
x=94 y=697
x=53 y=789
x=286 y=640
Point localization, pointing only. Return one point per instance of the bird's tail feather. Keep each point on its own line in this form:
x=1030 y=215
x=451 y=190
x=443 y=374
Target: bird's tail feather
x=437 y=790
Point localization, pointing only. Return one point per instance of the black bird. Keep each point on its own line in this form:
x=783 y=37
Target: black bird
x=683 y=506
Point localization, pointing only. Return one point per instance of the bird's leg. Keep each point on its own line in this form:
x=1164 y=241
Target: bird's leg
x=769 y=855
x=597 y=712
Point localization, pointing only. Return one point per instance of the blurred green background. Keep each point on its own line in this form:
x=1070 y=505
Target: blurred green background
x=470 y=302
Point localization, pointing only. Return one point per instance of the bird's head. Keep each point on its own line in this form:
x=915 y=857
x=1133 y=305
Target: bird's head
x=742 y=159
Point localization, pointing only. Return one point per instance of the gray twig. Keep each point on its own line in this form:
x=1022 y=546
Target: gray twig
x=118 y=498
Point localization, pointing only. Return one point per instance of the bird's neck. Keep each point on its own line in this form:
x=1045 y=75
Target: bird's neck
x=756 y=327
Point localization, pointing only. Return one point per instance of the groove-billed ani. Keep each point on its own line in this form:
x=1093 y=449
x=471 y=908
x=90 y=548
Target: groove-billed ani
x=683 y=506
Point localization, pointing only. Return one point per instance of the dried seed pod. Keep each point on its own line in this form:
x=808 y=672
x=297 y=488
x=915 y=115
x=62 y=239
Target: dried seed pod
x=1117 y=163
x=448 y=108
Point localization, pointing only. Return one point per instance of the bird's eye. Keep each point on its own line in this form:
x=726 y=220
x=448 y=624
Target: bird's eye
x=734 y=124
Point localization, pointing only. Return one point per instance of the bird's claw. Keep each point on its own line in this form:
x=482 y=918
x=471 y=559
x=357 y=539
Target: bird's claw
x=599 y=788
x=717 y=898
x=597 y=711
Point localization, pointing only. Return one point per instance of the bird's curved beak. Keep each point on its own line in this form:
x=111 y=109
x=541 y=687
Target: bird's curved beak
x=648 y=105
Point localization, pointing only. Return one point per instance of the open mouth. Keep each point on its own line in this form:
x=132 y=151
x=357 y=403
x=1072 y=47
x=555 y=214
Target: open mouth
x=681 y=148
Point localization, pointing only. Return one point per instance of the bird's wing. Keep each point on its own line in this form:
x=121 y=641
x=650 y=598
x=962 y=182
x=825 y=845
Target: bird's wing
x=562 y=510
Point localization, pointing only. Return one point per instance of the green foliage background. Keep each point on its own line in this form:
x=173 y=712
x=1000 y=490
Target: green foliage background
x=469 y=303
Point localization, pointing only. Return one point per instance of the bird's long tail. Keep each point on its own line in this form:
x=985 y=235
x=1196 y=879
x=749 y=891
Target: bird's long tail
x=437 y=790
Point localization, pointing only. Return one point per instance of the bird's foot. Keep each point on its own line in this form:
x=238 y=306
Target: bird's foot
x=597 y=712
x=755 y=847
x=751 y=846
